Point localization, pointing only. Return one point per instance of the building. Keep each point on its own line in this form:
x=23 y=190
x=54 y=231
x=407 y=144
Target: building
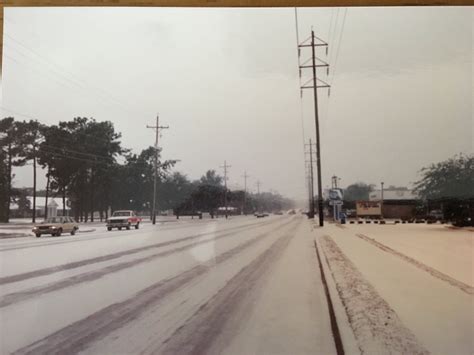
x=397 y=203
x=389 y=195
x=40 y=203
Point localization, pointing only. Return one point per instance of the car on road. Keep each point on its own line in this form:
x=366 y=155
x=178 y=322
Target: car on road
x=123 y=219
x=435 y=215
x=261 y=214
x=56 y=226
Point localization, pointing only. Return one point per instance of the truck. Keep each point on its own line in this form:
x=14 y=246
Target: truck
x=123 y=219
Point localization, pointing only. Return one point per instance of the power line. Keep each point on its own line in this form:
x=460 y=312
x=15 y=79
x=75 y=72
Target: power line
x=339 y=46
x=64 y=82
x=300 y=84
x=333 y=33
x=77 y=80
x=330 y=23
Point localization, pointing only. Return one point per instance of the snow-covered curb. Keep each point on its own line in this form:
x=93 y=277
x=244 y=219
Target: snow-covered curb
x=349 y=341
x=377 y=328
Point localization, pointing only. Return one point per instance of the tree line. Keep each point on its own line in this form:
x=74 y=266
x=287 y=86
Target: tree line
x=86 y=164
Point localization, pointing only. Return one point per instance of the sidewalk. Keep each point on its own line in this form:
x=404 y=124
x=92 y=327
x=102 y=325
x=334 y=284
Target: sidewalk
x=438 y=313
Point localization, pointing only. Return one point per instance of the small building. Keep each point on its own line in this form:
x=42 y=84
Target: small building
x=40 y=204
x=392 y=194
x=399 y=209
x=397 y=203
x=231 y=211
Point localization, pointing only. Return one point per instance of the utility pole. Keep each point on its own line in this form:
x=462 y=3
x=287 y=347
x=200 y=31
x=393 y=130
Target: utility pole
x=311 y=181
x=258 y=195
x=157 y=129
x=225 y=185
x=381 y=207
x=245 y=176
x=315 y=87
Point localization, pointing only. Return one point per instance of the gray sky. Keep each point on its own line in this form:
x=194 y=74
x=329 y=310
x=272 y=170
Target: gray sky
x=226 y=81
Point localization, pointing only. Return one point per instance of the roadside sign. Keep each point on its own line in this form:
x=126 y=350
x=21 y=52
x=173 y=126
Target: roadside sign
x=368 y=208
x=335 y=203
x=335 y=194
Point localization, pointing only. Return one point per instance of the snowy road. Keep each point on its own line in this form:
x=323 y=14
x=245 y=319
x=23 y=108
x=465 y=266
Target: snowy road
x=243 y=285
x=276 y=285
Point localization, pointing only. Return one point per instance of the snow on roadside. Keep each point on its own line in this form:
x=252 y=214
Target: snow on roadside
x=376 y=326
x=450 y=251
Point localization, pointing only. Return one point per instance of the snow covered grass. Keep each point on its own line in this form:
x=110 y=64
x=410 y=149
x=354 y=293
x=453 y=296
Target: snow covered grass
x=448 y=250
x=376 y=326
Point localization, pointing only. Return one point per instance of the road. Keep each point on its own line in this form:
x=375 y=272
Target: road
x=236 y=286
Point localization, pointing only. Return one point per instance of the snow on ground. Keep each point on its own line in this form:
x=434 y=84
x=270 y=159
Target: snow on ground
x=439 y=314
x=268 y=328
x=53 y=251
x=136 y=301
x=448 y=250
x=377 y=328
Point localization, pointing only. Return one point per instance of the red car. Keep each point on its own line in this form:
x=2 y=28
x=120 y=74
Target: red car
x=123 y=219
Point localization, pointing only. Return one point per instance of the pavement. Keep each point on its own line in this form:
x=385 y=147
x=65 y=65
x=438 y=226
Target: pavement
x=203 y=287
x=276 y=285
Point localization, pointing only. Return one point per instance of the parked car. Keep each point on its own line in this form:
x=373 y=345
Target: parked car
x=56 y=226
x=350 y=213
x=435 y=215
x=261 y=214
x=123 y=219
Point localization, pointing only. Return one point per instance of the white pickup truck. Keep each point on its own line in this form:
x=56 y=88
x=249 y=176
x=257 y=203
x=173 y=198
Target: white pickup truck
x=123 y=219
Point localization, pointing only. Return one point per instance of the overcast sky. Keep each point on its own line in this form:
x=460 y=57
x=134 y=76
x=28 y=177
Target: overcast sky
x=226 y=82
